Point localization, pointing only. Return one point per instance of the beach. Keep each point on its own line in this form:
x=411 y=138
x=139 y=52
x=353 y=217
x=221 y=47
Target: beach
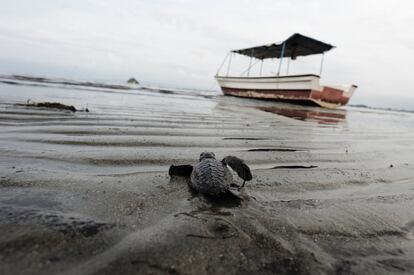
x=89 y=192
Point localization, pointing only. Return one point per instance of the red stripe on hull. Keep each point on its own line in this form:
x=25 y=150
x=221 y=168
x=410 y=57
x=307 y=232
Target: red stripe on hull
x=288 y=94
x=328 y=95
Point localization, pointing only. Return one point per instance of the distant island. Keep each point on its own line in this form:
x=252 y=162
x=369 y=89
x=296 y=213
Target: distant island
x=133 y=81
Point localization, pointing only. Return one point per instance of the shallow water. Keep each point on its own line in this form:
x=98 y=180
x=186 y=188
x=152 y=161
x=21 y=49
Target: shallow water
x=86 y=193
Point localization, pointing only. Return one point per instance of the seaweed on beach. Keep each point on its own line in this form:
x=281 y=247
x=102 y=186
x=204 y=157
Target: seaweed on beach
x=52 y=105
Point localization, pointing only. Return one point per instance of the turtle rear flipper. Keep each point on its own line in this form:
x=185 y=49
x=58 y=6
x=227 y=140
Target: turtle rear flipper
x=180 y=170
x=239 y=166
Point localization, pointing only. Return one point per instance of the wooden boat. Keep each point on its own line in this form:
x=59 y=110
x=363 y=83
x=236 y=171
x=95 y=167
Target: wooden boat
x=301 y=89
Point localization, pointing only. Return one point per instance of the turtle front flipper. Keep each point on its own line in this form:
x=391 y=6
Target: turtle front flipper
x=239 y=166
x=180 y=170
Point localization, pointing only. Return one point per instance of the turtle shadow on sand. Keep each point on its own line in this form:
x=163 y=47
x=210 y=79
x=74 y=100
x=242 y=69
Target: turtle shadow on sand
x=229 y=199
x=226 y=200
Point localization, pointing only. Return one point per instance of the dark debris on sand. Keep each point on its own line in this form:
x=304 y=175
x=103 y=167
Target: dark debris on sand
x=52 y=105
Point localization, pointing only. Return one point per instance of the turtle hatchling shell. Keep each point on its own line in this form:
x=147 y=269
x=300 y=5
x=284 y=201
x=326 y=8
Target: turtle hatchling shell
x=211 y=177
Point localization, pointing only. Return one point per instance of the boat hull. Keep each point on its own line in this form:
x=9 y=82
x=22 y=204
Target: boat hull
x=302 y=89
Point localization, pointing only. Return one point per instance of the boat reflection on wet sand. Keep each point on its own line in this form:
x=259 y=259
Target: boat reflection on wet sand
x=322 y=116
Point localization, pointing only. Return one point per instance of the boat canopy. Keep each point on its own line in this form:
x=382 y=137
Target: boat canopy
x=296 y=45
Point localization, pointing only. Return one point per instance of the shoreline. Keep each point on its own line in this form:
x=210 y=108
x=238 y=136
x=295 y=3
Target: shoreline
x=18 y=79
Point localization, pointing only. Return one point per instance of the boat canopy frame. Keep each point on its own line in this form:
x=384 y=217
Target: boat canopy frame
x=294 y=46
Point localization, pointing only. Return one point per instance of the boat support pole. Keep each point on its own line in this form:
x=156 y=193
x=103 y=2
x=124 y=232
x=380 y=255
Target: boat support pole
x=281 y=58
x=245 y=71
x=261 y=67
x=288 y=65
x=320 y=70
x=222 y=63
x=250 y=64
x=228 y=67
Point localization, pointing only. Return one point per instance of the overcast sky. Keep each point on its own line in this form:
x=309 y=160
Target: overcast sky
x=181 y=43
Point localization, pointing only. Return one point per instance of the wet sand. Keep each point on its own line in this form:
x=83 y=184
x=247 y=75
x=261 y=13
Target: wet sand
x=89 y=193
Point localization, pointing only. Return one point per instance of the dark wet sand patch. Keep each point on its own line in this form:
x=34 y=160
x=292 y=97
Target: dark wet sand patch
x=273 y=150
x=103 y=143
x=60 y=222
x=243 y=138
x=294 y=167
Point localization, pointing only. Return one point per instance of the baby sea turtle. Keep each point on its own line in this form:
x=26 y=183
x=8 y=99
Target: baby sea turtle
x=211 y=176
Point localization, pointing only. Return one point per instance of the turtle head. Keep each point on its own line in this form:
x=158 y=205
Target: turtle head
x=207 y=155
